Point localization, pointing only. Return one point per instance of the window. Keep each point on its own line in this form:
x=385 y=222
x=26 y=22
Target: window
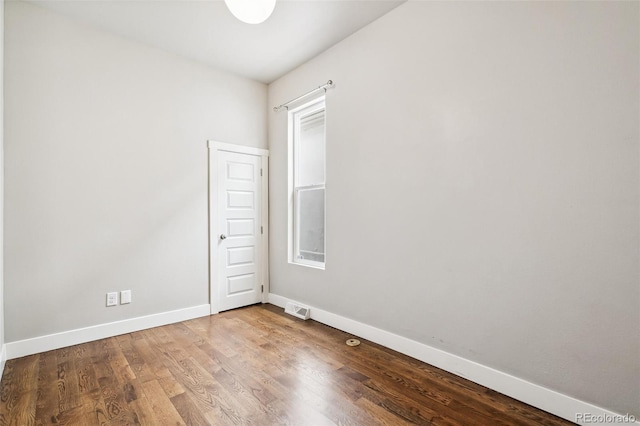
x=307 y=183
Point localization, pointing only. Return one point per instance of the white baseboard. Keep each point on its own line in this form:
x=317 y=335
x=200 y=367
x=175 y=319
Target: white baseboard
x=82 y=335
x=546 y=399
x=3 y=358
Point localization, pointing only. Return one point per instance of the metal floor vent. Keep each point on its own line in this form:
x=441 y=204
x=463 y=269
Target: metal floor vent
x=297 y=310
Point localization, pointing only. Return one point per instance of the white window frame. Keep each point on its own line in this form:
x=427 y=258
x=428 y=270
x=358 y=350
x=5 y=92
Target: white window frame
x=311 y=107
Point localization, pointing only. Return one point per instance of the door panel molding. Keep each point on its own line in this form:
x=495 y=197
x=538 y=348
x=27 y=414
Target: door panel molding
x=260 y=256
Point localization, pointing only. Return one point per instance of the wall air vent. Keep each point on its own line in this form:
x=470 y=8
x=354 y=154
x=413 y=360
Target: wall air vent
x=297 y=310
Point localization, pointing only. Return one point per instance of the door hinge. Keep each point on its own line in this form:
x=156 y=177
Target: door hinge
x=261 y=230
x=260 y=172
x=262 y=289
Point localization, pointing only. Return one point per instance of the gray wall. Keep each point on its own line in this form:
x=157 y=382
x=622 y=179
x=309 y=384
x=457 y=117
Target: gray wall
x=106 y=172
x=482 y=187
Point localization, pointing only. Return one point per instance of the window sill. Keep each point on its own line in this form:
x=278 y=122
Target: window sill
x=309 y=265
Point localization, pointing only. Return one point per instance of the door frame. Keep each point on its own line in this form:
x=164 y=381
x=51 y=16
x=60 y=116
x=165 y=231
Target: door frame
x=215 y=148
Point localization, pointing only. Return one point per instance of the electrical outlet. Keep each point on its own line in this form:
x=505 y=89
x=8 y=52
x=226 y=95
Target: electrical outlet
x=112 y=298
x=125 y=297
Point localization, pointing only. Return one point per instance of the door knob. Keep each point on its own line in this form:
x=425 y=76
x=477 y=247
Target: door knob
x=223 y=237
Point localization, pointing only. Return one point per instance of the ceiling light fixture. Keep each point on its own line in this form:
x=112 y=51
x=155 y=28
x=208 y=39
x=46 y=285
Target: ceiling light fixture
x=251 y=11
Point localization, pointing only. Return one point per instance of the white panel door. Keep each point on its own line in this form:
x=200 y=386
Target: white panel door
x=238 y=208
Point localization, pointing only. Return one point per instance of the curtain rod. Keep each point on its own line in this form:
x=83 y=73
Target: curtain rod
x=324 y=87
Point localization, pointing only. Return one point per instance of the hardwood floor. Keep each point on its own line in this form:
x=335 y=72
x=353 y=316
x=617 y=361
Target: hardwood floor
x=253 y=365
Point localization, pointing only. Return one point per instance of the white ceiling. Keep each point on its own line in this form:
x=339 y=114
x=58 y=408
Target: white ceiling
x=204 y=30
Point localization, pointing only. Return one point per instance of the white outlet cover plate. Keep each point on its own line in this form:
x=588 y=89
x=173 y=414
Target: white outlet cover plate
x=112 y=299
x=125 y=297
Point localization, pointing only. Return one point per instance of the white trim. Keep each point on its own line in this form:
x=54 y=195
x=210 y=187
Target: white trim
x=265 y=235
x=3 y=359
x=215 y=147
x=88 y=334
x=242 y=149
x=538 y=396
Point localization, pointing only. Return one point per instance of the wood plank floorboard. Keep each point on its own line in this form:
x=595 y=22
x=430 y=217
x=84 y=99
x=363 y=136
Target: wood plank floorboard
x=249 y=366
